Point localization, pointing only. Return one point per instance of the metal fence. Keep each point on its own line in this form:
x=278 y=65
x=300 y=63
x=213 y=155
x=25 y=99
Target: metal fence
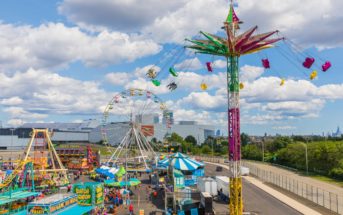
x=317 y=195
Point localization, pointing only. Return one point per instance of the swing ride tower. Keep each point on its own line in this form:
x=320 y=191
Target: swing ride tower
x=232 y=47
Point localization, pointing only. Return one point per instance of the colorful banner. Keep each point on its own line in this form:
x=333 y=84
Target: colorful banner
x=99 y=194
x=148 y=130
x=234 y=135
x=84 y=195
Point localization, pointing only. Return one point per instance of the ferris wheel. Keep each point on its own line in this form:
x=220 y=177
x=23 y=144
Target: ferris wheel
x=128 y=123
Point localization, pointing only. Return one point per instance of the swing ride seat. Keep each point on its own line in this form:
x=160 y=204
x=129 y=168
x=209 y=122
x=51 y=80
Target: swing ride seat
x=308 y=62
x=173 y=72
x=326 y=66
x=156 y=82
x=265 y=63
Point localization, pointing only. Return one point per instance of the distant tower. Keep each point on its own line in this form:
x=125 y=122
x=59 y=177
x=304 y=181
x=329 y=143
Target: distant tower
x=218 y=133
x=168 y=117
x=338 y=133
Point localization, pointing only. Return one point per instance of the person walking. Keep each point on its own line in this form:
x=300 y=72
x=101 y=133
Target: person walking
x=131 y=209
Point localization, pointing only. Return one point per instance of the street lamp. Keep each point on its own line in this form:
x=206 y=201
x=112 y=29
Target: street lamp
x=262 y=150
x=306 y=157
x=12 y=129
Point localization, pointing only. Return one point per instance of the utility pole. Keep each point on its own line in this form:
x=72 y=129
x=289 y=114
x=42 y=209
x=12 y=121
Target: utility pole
x=306 y=156
x=263 y=150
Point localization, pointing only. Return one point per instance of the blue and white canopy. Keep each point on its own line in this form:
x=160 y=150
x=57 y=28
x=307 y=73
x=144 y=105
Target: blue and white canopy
x=164 y=162
x=181 y=162
x=187 y=164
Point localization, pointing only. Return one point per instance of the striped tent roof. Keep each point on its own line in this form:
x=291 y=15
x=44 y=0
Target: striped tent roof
x=187 y=164
x=179 y=155
x=164 y=162
x=181 y=162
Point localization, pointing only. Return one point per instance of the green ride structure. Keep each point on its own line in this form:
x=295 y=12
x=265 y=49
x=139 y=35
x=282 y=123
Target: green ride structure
x=232 y=47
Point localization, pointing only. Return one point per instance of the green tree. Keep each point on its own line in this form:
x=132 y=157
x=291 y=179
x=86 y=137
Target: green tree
x=191 y=139
x=245 y=139
x=252 y=151
x=278 y=143
x=176 y=138
x=205 y=149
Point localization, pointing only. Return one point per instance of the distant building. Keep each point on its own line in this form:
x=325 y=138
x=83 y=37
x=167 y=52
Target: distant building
x=86 y=125
x=218 y=133
x=187 y=123
x=147 y=119
x=91 y=131
x=168 y=117
x=338 y=133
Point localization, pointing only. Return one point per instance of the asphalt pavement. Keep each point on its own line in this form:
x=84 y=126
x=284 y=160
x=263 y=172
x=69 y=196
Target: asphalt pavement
x=255 y=200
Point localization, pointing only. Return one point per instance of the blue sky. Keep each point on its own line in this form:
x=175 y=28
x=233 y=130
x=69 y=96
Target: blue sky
x=62 y=61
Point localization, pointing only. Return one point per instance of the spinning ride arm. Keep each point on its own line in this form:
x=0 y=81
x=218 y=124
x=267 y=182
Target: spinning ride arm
x=9 y=179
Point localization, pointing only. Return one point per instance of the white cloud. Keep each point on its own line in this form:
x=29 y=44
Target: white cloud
x=285 y=127
x=45 y=93
x=250 y=73
x=195 y=15
x=15 y=122
x=55 y=45
x=175 y=20
x=297 y=22
x=203 y=100
x=128 y=15
x=220 y=64
x=11 y=101
x=118 y=78
x=19 y=112
x=190 y=64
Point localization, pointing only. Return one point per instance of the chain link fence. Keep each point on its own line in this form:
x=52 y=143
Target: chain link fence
x=317 y=195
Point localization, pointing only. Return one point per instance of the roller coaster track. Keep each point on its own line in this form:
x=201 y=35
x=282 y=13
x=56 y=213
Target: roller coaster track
x=9 y=179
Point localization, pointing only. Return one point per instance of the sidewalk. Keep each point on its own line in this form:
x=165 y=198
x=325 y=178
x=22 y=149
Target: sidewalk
x=324 y=194
x=276 y=194
x=290 y=174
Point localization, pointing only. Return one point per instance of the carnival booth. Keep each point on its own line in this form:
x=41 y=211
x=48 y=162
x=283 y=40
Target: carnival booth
x=61 y=204
x=89 y=193
x=112 y=174
x=185 y=170
x=15 y=202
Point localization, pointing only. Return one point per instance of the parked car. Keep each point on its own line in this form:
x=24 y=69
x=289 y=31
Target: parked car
x=219 y=168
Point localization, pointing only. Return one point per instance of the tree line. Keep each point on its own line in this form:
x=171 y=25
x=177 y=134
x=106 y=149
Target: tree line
x=325 y=156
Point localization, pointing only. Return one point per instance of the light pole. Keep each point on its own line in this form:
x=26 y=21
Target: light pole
x=262 y=150
x=306 y=157
x=212 y=147
x=12 y=129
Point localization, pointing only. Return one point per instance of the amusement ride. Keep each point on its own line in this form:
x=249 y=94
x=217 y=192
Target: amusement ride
x=231 y=47
x=41 y=164
x=134 y=151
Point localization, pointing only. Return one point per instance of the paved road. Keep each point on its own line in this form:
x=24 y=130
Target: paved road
x=255 y=199
x=328 y=195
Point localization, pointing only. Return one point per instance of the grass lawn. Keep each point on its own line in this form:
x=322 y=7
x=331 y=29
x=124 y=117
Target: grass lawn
x=328 y=180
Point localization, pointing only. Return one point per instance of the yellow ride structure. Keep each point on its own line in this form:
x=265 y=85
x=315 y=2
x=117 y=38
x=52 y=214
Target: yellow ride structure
x=47 y=166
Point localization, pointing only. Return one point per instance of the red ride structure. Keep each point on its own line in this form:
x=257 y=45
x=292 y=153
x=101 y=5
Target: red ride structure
x=232 y=47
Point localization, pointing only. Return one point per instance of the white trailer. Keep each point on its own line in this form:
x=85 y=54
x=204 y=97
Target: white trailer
x=223 y=187
x=207 y=184
x=244 y=170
